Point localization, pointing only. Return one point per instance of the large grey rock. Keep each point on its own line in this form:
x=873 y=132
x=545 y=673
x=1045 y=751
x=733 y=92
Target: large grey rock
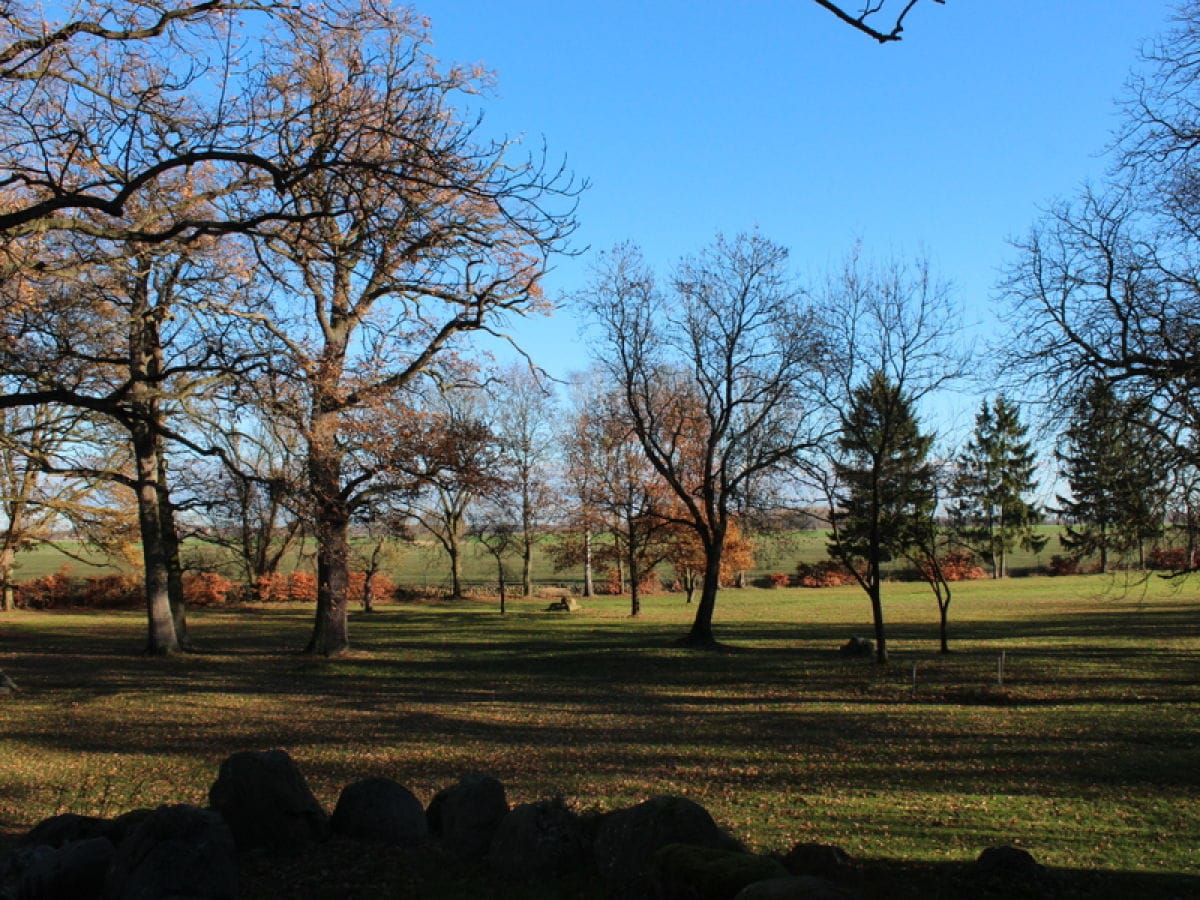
x=65 y=828
x=380 y=810
x=176 y=852
x=797 y=887
x=465 y=815
x=821 y=860
x=74 y=871
x=535 y=839
x=686 y=872
x=627 y=839
x=1010 y=869
x=267 y=803
x=15 y=864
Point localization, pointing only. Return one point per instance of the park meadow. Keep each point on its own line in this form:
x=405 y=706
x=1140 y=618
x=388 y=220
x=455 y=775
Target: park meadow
x=1065 y=720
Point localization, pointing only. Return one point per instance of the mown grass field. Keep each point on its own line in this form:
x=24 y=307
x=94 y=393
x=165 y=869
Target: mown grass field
x=1087 y=755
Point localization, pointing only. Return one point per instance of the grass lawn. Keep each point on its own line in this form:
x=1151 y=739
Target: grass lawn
x=1088 y=755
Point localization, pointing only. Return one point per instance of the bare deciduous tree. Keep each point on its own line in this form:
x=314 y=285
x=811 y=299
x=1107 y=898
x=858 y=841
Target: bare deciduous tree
x=717 y=379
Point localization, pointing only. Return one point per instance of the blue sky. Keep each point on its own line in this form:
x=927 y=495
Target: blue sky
x=694 y=117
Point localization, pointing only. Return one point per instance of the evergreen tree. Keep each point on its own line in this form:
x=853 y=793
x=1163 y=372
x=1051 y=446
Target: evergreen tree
x=995 y=472
x=1114 y=463
x=885 y=487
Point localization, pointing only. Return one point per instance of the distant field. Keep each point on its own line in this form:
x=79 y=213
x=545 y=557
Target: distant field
x=1087 y=755
x=424 y=564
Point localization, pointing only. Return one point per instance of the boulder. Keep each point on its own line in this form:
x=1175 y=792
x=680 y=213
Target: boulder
x=176 y=851
x=380 y=810
x=821 y=860
x=685 y=872
x=858 y=646
x=1010 y=870
x=16 y=864
x=72 y=871
x=797 y=887
x=536 y=839
x=627 y=839
x=465 y=815
x=267 y=803
x=65 y=828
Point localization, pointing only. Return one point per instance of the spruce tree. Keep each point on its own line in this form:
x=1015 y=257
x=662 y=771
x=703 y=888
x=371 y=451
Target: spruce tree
x=995 y=472
x=885 y=487
x=1114 y=463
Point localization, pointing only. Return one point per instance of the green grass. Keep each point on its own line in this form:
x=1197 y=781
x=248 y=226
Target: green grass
x=1087 y=755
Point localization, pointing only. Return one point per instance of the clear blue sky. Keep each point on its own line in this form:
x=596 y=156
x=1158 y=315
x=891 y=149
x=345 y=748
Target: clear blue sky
x=694 y=117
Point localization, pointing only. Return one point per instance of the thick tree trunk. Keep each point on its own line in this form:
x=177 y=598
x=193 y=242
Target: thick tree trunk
x=7 y=559
x=170 y=536
x=161 y=638
x=701 y=634
x=331 y=519
x=944 y=614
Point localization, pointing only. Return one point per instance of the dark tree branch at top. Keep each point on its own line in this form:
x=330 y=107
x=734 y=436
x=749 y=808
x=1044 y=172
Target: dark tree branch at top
x=870 y=8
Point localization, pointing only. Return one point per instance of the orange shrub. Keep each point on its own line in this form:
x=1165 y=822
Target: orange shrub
x=1173 y=559
x=46 y=592
x=302 y=587
x=206 y=589
x=113 y=592
x=826 y=573
x=957 y=565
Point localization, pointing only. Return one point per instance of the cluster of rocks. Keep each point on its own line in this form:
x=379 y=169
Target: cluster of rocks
x=668 y=847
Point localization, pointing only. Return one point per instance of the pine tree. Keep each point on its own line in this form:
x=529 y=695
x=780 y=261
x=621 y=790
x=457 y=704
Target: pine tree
x=1114 y=463
x=995 y=472
x=885 y=487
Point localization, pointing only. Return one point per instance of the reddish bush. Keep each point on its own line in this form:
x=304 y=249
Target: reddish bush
x=46 y=592
x=957 y=565
x=774 y=580
x=1173 y=559
x=206 y=589
x=826 y=573
x=302 y=587
x=271 y=588
x=650 y=583
x=1062 y=565
x=113 y=592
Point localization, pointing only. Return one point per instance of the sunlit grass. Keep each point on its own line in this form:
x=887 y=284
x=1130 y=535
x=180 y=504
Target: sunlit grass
x=1086 y=754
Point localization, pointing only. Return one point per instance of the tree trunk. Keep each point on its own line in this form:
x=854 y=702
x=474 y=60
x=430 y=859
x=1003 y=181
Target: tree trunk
x=161 y=638
x=589 y=587
x=331 y=519
x=7 y=556
x=701 y=634
x=874 y=591
x=527 y=570
x=635 y=591
x=944 y=614
x=455 y=569
x=500 y=583
x=170 y=536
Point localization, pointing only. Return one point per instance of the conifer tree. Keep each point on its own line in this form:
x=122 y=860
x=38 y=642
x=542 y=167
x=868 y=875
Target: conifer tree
x=885 y=487
x=1114 y=464
x=995 y=472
